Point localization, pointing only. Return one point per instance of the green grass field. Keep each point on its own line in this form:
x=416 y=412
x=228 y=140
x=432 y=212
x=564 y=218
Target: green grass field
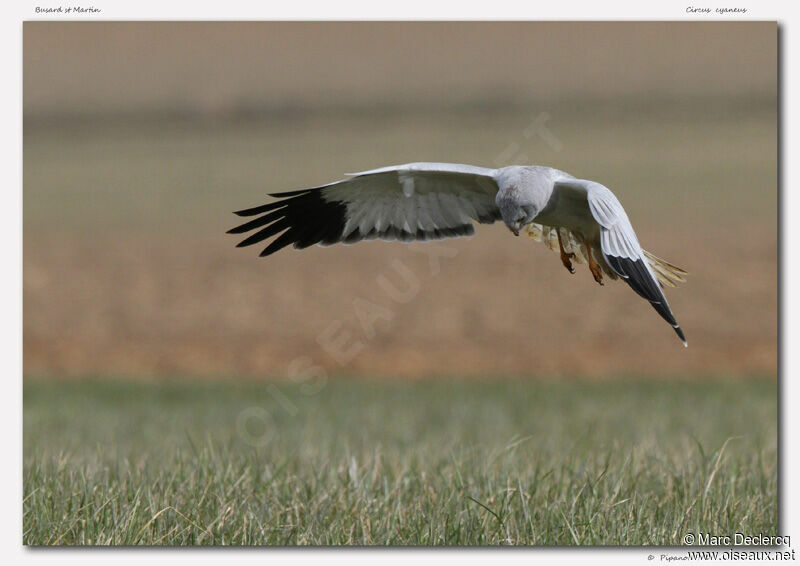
x=398 y=463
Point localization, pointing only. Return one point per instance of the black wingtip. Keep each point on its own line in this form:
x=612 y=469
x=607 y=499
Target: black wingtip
x=261 y=208
x=248 y=211
x=679 y=332
x=636 y=274
x=298 y=192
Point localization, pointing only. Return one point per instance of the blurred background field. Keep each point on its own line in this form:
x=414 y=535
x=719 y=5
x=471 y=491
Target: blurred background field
x=152 y=346
x=141 y=138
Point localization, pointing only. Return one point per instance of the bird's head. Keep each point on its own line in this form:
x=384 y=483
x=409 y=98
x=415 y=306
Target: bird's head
x=518 y=216
x=522 y=194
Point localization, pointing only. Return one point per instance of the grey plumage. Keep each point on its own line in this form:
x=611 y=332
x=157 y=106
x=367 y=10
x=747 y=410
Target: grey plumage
x=422 y=201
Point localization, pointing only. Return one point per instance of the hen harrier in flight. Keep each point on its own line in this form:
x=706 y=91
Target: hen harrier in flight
x=423 y=201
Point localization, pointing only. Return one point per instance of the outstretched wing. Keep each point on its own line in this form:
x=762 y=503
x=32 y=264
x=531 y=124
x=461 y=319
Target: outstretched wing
x=416 y=201
x=621 y=248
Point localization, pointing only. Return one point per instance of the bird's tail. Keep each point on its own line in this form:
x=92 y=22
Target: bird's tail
x=667 y=274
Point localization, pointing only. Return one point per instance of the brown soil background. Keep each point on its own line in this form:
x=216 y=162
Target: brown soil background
x=139 y=139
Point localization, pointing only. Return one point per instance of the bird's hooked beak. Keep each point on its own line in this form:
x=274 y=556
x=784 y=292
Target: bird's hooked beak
x=515 y=227
x=519 y=222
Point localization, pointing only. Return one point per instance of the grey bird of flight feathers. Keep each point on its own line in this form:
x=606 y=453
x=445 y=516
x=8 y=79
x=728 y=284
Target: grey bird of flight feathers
x=580 y=219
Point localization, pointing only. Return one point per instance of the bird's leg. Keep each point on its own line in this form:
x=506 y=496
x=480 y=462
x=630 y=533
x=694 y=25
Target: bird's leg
x=593 y=266
x=565 y=257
